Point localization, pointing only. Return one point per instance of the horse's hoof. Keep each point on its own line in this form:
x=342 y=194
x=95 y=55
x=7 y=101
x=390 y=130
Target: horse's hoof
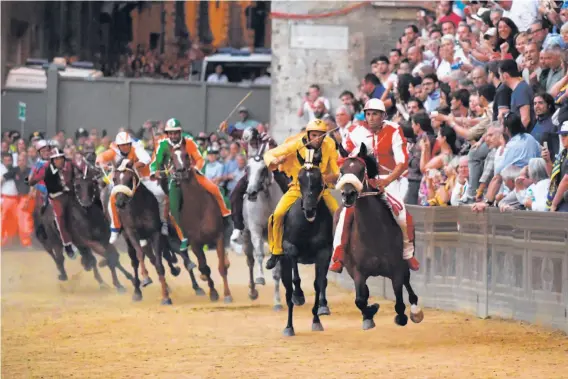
x=203 y=277
x=174 y=258
x=416 y=314
x=368 y=324
x=260 y=281
x=103 y=286
x=199 y=291
x=190 y=266
x=175 y=270
x=317 y=327
x=298 y=300
x=214 y=296
x=136 y=296
x=289 y=332
x=228 y=299
x=253 y=294
x=277 y=307
x=167 y=301
x=373 y=309
x=120 y=289
x=401 y=320
x=324 y=311
x=146 y=281
x=227 y=262
x=62 y=277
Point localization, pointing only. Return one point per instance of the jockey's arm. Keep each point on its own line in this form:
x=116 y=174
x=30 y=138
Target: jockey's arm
x=193 y=151
x=400 y=157
x=332 y=172
x=142 y=157
x=276 y=156
x=105 y=157
x=158 y=158
x=37 y=175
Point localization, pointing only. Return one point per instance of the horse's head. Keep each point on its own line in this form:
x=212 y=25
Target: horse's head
x=259 y=177
x=126 y=181
x=355 y=170
x=312 y=185
x=85 y=183
x=181 y=162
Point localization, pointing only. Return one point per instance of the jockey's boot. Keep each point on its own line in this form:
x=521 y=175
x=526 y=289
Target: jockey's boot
x=71 y=253
x=408 y=250
x=341 y=239
x=337 y=260
x=183 y=245
x=413 y=264
x=113 y=236
x=236 y=235
x=272 y=261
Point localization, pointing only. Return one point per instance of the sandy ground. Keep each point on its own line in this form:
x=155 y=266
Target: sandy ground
x=76 y=330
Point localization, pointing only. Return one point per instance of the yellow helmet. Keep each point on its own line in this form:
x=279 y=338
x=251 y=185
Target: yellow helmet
x=316 y=125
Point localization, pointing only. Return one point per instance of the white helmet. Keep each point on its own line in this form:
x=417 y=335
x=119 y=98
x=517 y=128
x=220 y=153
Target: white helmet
x=41 y=144
x=53 y=143
x=375 y=104
x=56 y=153
x=122 y=138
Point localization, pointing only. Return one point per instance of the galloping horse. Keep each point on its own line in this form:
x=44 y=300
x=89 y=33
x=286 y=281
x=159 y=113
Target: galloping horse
x=307 y=239
x=139 y=215
x=201 y=219
x=375 y=242
x=261 y=197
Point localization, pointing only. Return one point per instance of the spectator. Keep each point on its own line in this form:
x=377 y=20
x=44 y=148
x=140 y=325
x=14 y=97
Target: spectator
x=506 y=31
x=521 y=95
x=382 y=71
x=394 y=59
x=522 y=12
x=451 y=59
x=372 y=86
x=32 y=155
x=309 y=102
x=430 y=86
x=422 y=128
x=416 y=59
x=218 y=76
x=556 y=198
x=9 y=195
x=446 y=13
x=230 y=166
x=495 y=143
x=554 y=71
x=245 y=121
x=479 y=77
x=458 y=183
x=544 y=130
x=521 y=146
x=535 y=195
x=213 y=168
x=532 y=69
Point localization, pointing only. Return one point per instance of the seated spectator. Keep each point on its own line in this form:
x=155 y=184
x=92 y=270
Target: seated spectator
x=536 y=193
x=544 y=130
x=309 y=101
x=218 y=76
x=458 y=182
x=521 y=95
x=430 y=86
x=213 y=168
x=554 y=70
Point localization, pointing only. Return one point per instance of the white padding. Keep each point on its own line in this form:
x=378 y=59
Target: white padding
x=143 y=243
x=414 y=309
x=121 y=188
x=349 y=179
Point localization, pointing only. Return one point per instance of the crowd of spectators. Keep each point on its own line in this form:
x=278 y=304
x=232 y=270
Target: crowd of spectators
x=224 y=154
x=480 y=90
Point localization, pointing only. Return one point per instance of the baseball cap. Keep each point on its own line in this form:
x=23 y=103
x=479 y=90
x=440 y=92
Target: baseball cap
x=563 y=129
x=243 y=109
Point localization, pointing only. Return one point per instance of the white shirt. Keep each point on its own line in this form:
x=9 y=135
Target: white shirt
x=418 y=67
x=459 y=189
x=538 y=193
x=523 y=13
x=445 y=67
x=310 y=111
x=263 y=80
x=214 y=78
x=8 y=186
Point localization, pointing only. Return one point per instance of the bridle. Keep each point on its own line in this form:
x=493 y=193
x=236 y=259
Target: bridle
x=265 y=178
x=179 y=174
x=123 y=188
x=75 y=188
x=364 y=182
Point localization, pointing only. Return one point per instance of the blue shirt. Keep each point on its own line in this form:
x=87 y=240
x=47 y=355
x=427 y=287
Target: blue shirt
x=518 y=151
x=213 y=170
x=543 y=128
x=238 y=174
x=522 y=95
x=378 y=92
x=246 y=124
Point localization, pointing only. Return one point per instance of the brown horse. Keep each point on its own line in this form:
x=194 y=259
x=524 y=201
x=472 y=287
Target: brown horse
x=201 y=219
x=140 y=217
x=375 y=241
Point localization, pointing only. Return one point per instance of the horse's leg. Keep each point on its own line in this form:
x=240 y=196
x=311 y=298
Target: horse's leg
x=189 y=267
x=224 y=269
x=205 y=271
x=169 y=256
x=258 y=243
x=286 y=266
x=60 y=261
x=323 y=308
x=157 y=246
x=298 y=297
x=135 y=242
x=99 y=249
x=113 y=262
x=416 y=314
x=321 y=271
x=248 y=249
x=361 y=300
x=277 y=275
x=397 y=283
x=137 y=295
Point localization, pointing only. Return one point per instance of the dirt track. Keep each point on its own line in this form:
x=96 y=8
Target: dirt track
x=77 y=330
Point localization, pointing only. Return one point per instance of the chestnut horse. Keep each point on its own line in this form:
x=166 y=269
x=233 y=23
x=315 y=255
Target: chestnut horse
x=375 y=240
x=201 y=220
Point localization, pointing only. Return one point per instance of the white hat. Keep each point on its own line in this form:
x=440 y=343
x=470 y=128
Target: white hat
x=375 y=104
x=491 y=32
x=563 y=129
x=480 y=13
x=41 y=144
x=56 y=153
x=122 y=138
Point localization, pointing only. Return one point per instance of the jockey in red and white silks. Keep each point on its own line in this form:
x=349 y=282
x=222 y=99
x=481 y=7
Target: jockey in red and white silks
x=389 y=148
x=354 y=134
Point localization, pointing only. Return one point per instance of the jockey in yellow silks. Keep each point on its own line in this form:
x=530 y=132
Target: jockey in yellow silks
x=285 y=156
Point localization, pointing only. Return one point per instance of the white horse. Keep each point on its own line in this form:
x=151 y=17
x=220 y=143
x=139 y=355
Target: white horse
x=262 y=196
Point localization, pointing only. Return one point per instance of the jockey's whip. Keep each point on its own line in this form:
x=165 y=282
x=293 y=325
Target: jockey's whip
x=235 y=108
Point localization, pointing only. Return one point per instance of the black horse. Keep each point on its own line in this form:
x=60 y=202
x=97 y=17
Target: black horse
x=307 y=239
x=375 y=240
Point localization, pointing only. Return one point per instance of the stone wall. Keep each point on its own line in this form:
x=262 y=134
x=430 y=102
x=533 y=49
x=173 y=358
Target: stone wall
x=372 y=30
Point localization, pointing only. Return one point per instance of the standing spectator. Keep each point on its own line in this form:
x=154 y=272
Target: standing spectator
x=430 y=86
x=218 y=76
x=479 y=77
x=230 y=164
x=446 y=13
x=416 y=59
x=459 y=183
x=372 y=86
x=522 y=12
x=506 y=32
x=238 y=173
x=9 y=196
x=556 y=198
x=213 y=168
x=32 y=155
x=555 y=70
x=544 y=130
x=382 y=71
x=521 y=96
x=25 y=203
x=532 y=69
x=422 y=128
x=245 y=121
x=502 y=100
x=521 y=146
x=395 y=56
x=309 y=102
